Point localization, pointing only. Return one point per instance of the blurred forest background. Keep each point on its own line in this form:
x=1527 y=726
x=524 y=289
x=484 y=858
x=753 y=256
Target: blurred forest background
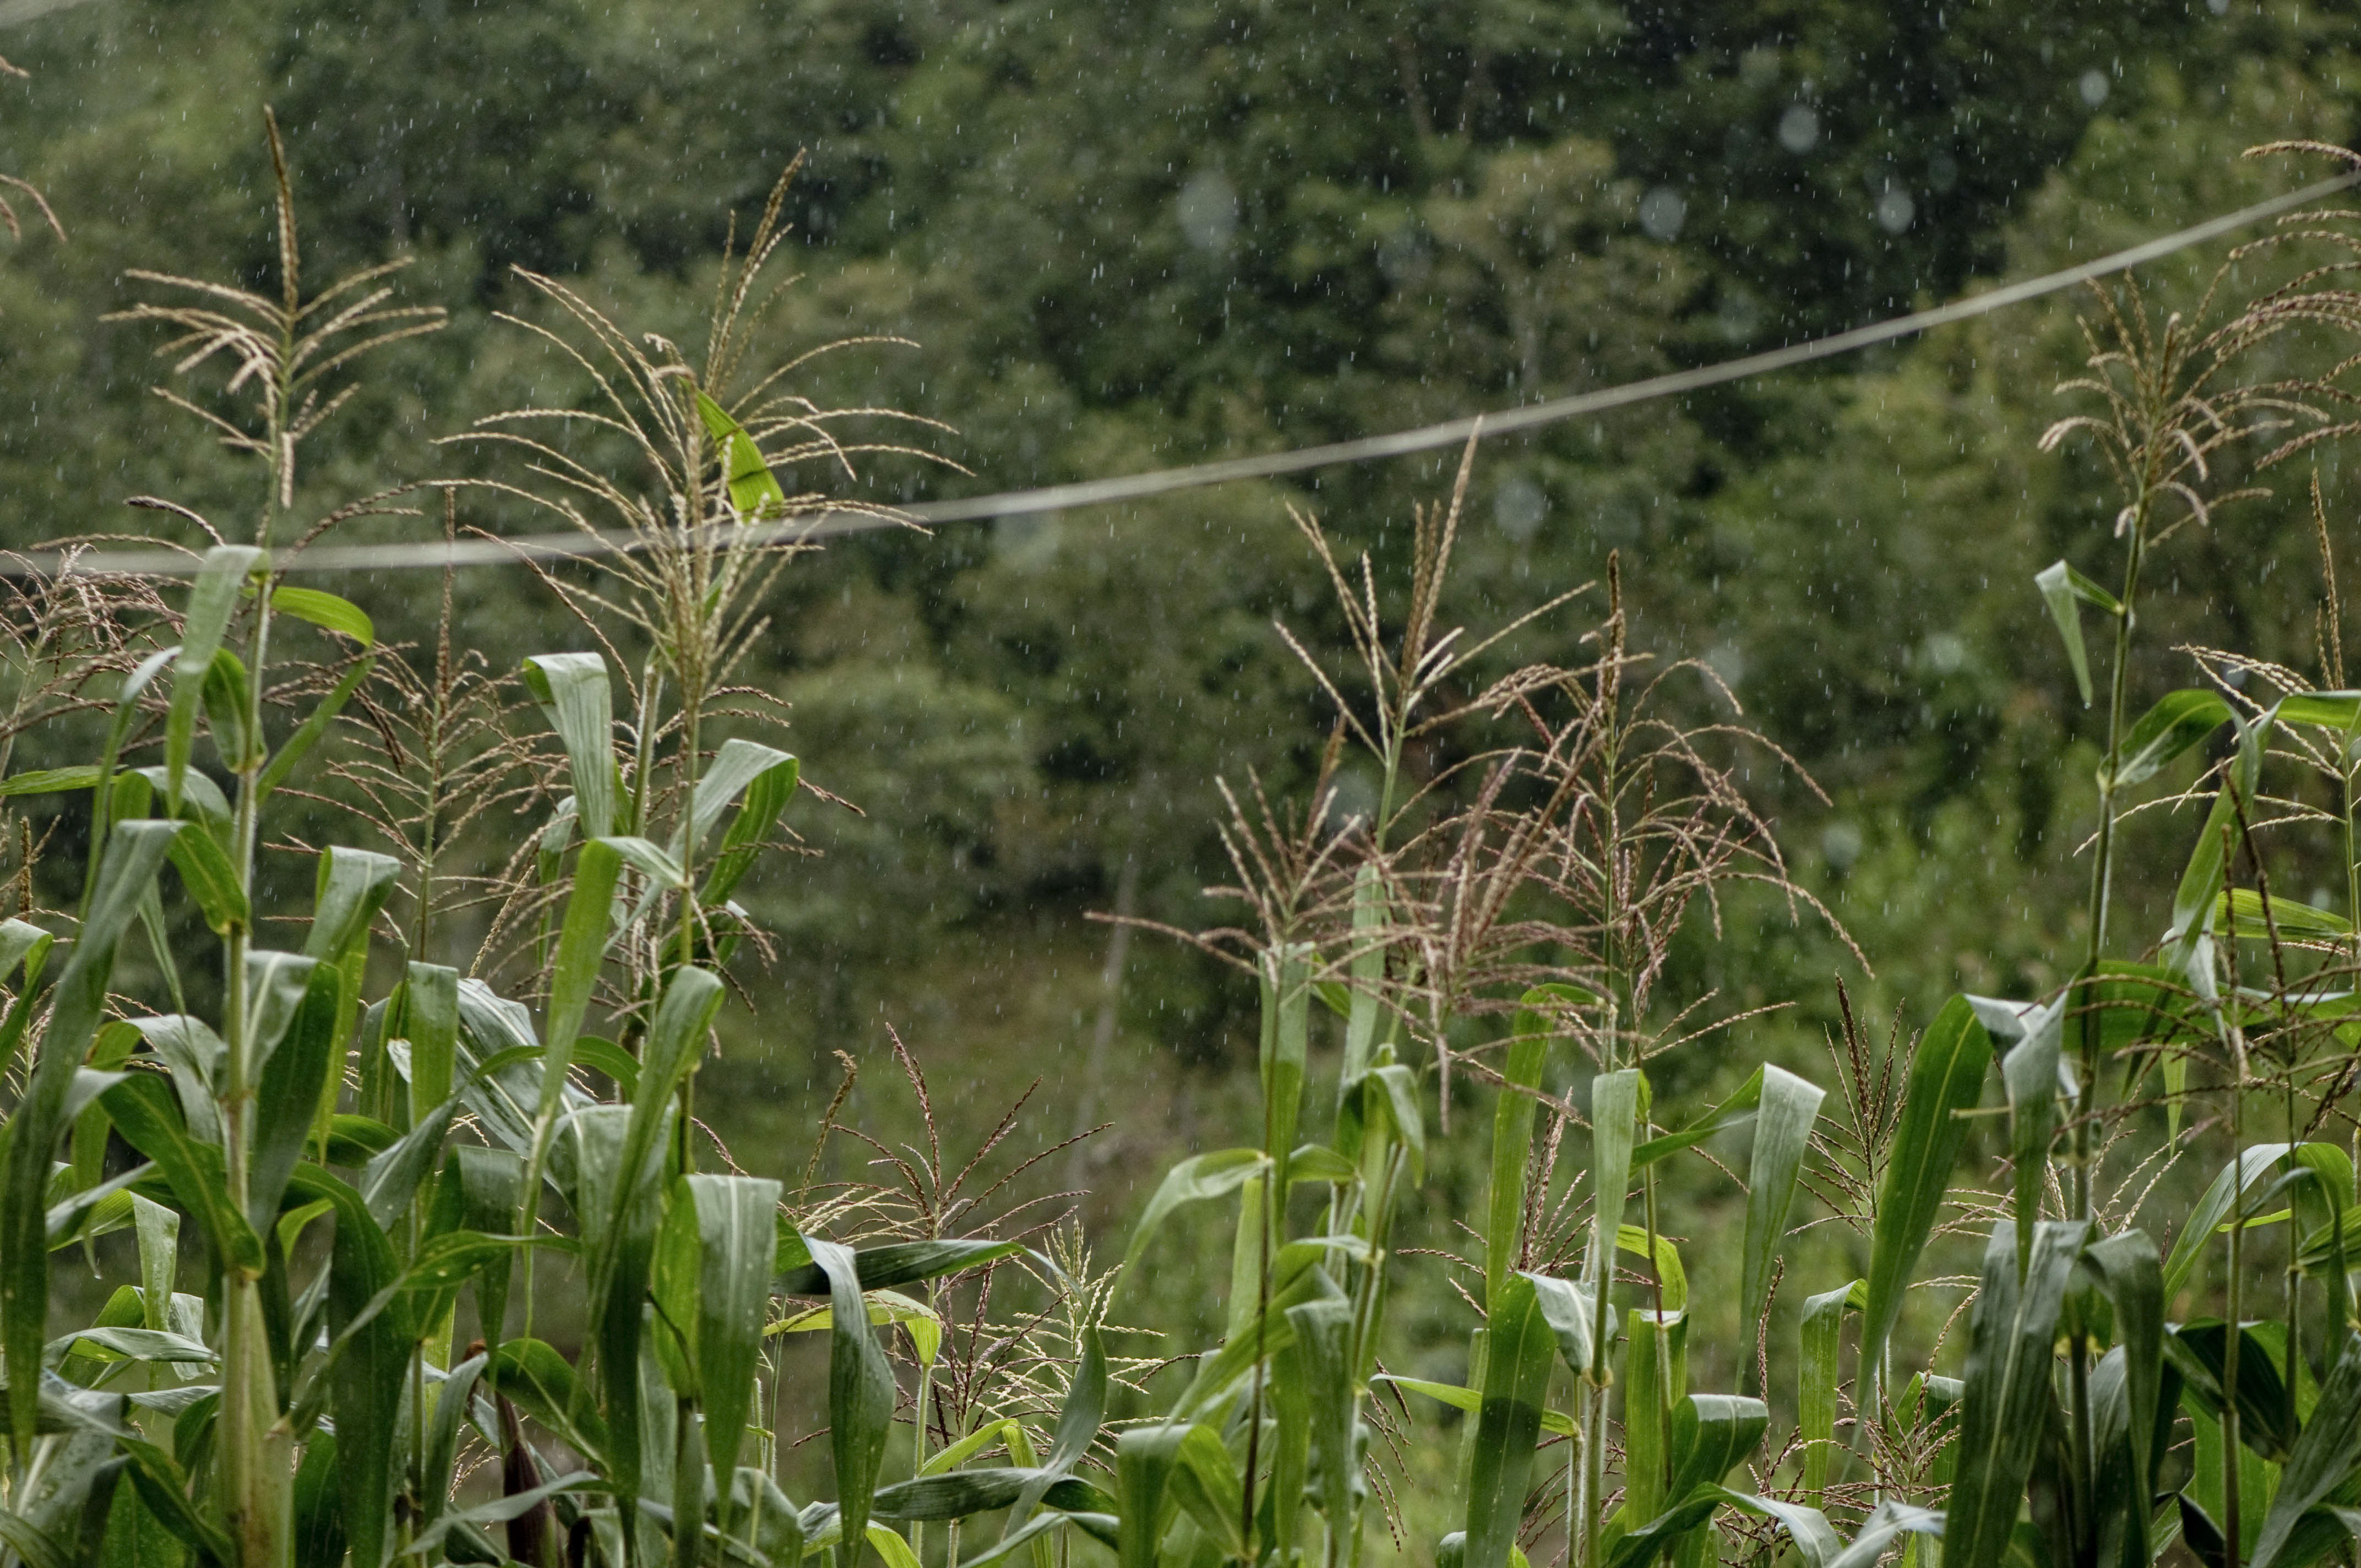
x=1123 y=235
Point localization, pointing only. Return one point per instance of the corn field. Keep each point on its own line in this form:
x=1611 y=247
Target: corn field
x=430 y=1258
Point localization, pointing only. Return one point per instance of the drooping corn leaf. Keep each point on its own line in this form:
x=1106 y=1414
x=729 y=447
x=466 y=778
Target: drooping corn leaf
x=754 y=492
x=212 y=598
x=1822 y=1331
x=1782 y=1129
x=2030 y=1073
x=1192 y=1180
x=2178 y=721
x=2060 y=587
x=573 y=693
x=325 y=611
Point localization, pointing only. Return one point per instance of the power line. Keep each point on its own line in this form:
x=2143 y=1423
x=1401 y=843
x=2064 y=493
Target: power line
x=835 y=523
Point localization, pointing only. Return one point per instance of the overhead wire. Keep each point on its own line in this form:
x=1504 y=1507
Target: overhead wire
x=833 y=523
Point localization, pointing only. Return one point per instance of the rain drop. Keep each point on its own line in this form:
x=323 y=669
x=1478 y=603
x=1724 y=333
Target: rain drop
x=1800 y=128
x=1207 y=207
x=1662 y=212
x=1519 y=508
x=1896 y=209
x=2092 y=87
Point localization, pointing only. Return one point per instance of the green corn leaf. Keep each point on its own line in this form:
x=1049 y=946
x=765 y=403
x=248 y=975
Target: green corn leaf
x=164 y=1491
x=1877 y=1533
x=1817 y=1541
x=1145 y=1459
x=2133 y=1281
x=440 y=1462
x=130 y=861
x=211 y=881
x=2194 y=901
x=1205 y=1483
x=87 y=1144
x=754 y=493
x=276 y=984
x=158 y=1232
x=349 y=890
x=1512 y=1139
x=229 y=699
x=766 y=795
x=1655 y=1384
x=734 y=1216
x=49 y=781
x=1384 y=1096
x=2324 y=1459
x=2242 y=908
x=213 y=597
x=143 y=1111
x=571 y=691
x=617 y=1201
x=2328 y=710
x=1614 y=1111
x=675 y=1039
x=768 y=1523
x=392 y=1177
x=1947 y=1076
x=1568 y=1309
x=2253 y=1164
x=1710 y=1434
x=1822 y=1329
x=1286 y=1034
x=319 y=1514
x=2030 y=1074
x=1296 y=1277
x=1368 y=969
x=531 y=1375
x=859 y=1394
x=1078 y=1420
x=1192 y=1180
x=734 y=770
x=1319 y=1163
x=429 y=1021
x=2199 y=1352
x=1782 y=1129
x=2178 y=721
x=1516 y=1382
x=882 y=1267
x=1279 y=1510
x=2060 y=587
x=327 y=612
x=1733 y=1112
x=307 y=734
x=962 y=1493
x=1556 y=1422
x=581 y=948
x=366 y=1386
x=287 y=1101
x=2004 y=1409
x=1324 y=1338
x=1664 y=1258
